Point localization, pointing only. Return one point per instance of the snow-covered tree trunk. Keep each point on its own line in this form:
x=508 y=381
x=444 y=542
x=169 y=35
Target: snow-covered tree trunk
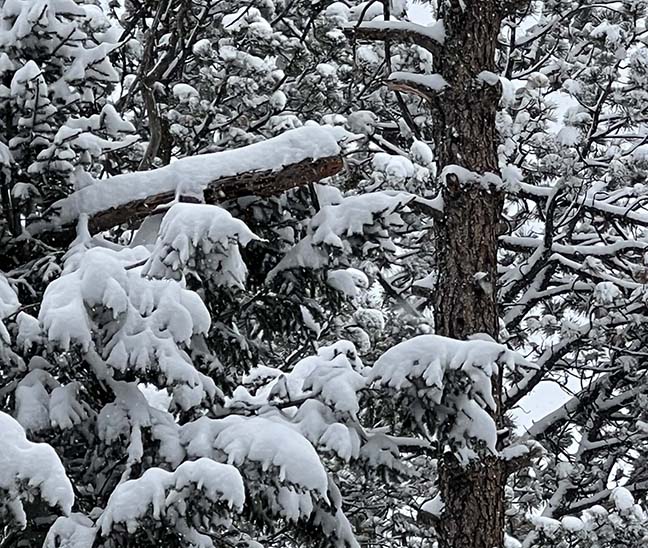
x=465 y=136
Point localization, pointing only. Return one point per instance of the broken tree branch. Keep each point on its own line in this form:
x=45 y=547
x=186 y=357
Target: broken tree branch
x=268 y=168
x=431 y=38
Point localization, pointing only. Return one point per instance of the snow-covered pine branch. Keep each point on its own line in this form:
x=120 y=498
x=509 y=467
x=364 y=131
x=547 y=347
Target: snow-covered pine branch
x=27 y=471
x=430 y=37
x=448 y=384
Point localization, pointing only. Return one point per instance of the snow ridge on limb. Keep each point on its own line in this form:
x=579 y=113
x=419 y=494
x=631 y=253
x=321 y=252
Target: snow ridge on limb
x=423 y=85
x=309 y=153
x=451 y=381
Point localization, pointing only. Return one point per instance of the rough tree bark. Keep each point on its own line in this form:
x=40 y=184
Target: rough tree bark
x=465 y=296
x=465 y=135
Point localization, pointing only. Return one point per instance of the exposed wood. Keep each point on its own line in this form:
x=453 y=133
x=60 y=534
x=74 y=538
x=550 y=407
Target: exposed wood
x=398 y=33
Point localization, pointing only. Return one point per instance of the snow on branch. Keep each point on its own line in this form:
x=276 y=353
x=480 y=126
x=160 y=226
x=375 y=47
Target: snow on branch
x=200 y=236
x=278 y=465
x=428 y=37
x=146 y=323
x=8 y=305
x=451 y=379
x=423 y=85
x=258 y=440
x=166 y=495
x=369 y=216
x=319 y=396
x=294 y=158
x=27 y=469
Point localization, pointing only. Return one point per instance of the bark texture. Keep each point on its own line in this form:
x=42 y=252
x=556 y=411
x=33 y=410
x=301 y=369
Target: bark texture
x=465 y=296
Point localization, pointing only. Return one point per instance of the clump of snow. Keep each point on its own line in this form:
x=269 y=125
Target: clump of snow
x=42 y=402
x=74 y=531
x=421 y=153
x=146 y=322
x=547 y=525
x=428 y=365
x=332 y=376
x=349 y=281
x=356 y=215
x=395 y=168
x=622 y=499
x=185 y=93
x=158 y=491
x=258 y=440
x=27 y=469
x=324 y=389
x=569 y=136
x=489 y=78
x=200 y=237
x=434 y=506
x=572 y=524
x=8 y=305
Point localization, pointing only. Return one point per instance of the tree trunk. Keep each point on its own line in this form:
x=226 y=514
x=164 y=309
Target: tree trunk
x=465 y=297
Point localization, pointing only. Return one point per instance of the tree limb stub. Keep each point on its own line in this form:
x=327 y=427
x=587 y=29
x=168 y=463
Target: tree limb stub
x=268 y=168
x=430 y=38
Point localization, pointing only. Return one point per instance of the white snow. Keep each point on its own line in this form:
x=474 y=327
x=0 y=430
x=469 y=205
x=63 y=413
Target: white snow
x=421 y=153
x=185 y=93
x=429 y=358
x=489 y=78
x=434 y=82
x=157 y=490
x=622 y=499
x=349 y=281
x=262 y=441
x=547 y=525
x=435 y=31
x=74 y=531
x=193 y=232
x=569 y=136
x=434 y=506
x=572 y=524
x=357 y=215
x=8 y=305
x=150 y=320
x=36 y=464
